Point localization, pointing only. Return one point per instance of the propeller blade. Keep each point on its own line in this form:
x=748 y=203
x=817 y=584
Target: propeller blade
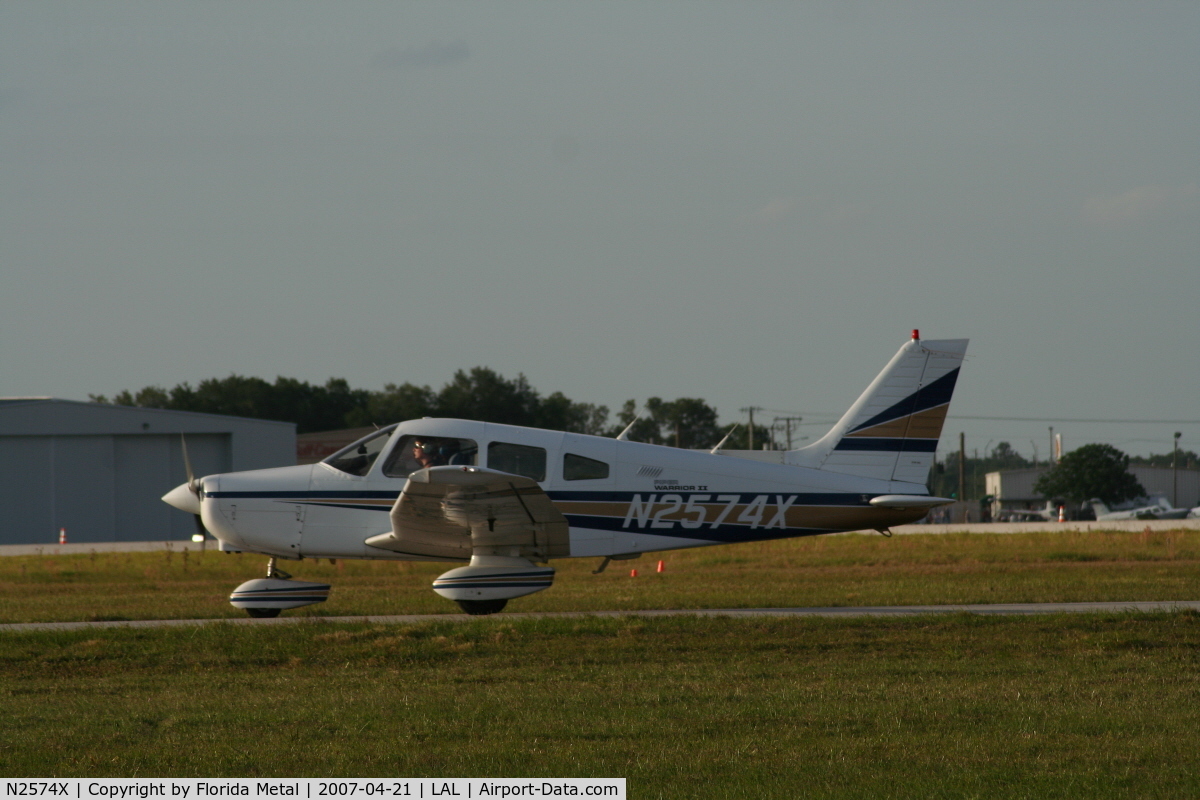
x=192 y=484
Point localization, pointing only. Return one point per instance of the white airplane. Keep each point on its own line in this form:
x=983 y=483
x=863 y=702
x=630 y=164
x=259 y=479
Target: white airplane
x=504 y=500
x=1047 y=514
x=1159 y=509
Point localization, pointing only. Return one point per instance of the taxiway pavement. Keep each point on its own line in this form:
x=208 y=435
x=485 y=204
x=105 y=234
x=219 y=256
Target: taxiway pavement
x=840 y=611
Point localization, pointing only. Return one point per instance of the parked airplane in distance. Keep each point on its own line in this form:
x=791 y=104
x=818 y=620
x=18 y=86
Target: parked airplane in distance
x=503 y=500
x=1159 y=509
x=1049 y=513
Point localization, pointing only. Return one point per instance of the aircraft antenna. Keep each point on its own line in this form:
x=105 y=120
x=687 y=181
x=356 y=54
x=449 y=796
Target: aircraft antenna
x=623 y=436
x=726 y=439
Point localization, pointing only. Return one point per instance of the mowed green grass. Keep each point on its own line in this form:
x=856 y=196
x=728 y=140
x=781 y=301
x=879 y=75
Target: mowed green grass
x=940 y=706
x=936 y=706
x=851 y=570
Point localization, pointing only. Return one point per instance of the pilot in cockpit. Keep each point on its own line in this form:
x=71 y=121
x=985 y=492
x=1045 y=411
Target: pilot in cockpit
x=427 y=453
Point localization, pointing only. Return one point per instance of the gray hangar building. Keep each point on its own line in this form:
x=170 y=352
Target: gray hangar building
x=100 y=470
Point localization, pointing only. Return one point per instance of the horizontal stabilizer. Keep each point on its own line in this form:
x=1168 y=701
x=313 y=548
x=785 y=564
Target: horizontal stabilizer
x=909 y=501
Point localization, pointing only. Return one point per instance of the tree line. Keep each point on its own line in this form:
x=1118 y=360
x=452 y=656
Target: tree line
x=483 y=394
x=480 y=393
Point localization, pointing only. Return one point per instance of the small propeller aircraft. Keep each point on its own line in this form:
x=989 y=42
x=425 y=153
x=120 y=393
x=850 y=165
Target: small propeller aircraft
x=1160 y=508
x=503 y=500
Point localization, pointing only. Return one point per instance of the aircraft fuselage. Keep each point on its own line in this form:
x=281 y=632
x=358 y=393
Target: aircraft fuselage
x=618 y=497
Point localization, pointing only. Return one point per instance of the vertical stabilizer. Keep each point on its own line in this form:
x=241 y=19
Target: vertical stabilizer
x=891 y=432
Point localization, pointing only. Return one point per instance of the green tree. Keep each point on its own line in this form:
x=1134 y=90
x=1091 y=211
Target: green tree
x=1003 y=456
x=559 y=413
x=686 y=422
x=480 y=394
x=312 y=408
x=943 y=476
x=394 y=403
x=1094 y=470
x=646 y=429
x=485 y=395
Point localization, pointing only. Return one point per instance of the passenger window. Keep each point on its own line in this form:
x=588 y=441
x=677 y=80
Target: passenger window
x=412 y=453
x=519 y=459
x=358 y=457
x=578 y=468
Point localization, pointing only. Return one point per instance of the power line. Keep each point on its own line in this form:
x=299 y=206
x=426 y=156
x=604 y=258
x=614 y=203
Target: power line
x=1071 y=419
x=837 y=416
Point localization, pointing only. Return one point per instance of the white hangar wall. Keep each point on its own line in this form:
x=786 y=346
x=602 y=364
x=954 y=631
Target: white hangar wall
x=99 y=470
x=1013 y=488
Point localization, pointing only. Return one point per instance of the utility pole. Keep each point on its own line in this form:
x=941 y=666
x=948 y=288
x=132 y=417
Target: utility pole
x=1175 y=472
x=962 y=472
x=1052 y=445
x=750 y=410
x=787 y=422
x=975 y=471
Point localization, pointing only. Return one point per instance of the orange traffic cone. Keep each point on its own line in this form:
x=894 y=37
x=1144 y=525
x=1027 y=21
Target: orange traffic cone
x=660 y=567
x=62 y=535
x=1062 y=514
x=633 y=573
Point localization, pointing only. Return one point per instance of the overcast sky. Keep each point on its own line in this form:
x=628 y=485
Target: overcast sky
x=749 y=203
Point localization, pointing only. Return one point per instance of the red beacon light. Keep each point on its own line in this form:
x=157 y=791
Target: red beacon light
x=916 y=335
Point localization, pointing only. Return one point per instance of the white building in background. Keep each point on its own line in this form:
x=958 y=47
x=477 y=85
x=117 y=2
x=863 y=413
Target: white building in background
x=1013 y=488
x=99 y=470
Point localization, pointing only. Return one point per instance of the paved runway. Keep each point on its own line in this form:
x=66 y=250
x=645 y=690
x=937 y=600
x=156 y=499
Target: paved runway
x=846 y=611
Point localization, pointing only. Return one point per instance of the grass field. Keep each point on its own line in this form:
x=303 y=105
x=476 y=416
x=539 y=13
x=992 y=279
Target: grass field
x=848 y=570
x=951 y=706
x=937 y=706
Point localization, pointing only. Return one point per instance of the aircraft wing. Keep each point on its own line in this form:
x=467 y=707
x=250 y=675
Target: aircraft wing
x=448 y=512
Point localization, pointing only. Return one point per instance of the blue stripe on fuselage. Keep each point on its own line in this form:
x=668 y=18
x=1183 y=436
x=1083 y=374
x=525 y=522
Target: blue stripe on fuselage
x=340 y=498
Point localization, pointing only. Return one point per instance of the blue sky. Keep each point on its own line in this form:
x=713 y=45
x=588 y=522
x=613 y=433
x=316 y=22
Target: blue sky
x=749 y=203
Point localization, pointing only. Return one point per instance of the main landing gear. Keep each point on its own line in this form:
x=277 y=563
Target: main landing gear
x=263 y=598
x=479 y=608
x=487 y=584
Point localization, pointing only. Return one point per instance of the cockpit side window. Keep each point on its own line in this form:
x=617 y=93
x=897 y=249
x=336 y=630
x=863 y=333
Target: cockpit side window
x=358 y=457
x=519 y=459
x=579 y=468
x=412 y=453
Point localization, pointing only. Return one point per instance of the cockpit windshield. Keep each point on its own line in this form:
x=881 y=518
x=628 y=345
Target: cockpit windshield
x=357 y=458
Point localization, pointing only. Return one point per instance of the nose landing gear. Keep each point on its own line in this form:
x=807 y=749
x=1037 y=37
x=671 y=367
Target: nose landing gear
x=266 y=597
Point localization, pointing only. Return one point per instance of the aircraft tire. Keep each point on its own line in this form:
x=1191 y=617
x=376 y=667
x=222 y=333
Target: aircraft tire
x=263 y=613
x=478 y=608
